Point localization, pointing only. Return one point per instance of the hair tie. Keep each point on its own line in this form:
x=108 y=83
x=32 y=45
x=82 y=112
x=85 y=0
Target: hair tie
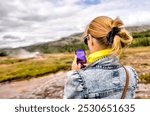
x=112 y=33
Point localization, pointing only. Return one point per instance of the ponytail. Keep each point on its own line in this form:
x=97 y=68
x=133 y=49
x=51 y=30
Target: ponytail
x=121 y=39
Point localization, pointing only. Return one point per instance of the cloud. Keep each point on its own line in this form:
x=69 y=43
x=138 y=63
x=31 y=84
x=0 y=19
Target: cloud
x=35 y=21
x=88 y=2
x=10 y=37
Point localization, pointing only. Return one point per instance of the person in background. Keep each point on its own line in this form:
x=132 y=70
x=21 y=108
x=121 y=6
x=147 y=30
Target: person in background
x=104 y=77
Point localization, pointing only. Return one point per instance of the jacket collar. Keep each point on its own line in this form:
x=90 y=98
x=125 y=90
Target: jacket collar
x=106 y=61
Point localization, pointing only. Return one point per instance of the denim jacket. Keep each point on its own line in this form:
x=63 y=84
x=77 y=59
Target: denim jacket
x=104 y=78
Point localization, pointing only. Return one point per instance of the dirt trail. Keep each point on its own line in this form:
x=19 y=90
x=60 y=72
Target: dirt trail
x=49 y=87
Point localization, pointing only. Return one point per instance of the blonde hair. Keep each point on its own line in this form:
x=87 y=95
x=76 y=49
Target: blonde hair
x=102 y=25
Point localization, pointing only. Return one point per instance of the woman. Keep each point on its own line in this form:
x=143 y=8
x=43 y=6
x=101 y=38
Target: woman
x=104 y=76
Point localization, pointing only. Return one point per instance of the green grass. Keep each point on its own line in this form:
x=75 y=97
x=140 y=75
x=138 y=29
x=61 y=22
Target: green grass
x=141 y=34
x=12 y=60
x=22 y=69
x=145 y=78
x=140 y=42
x=3 y=54
x=33 y=67
x=141 y=39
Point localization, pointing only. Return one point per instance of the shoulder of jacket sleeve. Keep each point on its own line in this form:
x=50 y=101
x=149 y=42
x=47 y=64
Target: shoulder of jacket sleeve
x=74 y=85
x=74 y=76
x=133 y=73
x=129 y=68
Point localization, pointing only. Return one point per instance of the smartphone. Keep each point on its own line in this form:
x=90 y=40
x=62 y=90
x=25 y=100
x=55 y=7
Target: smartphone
x=81 y=57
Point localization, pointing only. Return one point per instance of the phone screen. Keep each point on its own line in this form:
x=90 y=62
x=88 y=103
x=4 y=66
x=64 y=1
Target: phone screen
x=81 y=56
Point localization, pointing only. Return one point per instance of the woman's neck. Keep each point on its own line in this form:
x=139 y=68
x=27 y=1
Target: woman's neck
x=98 y=48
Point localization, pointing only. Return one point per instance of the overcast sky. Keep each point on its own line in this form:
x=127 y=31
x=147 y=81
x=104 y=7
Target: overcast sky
x=26 y=22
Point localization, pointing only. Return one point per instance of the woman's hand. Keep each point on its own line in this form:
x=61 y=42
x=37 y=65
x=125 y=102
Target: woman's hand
x=75 y=66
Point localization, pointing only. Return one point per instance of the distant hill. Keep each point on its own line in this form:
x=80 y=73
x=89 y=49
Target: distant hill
x=70 y=43
x=64 y=44
x=135 y=29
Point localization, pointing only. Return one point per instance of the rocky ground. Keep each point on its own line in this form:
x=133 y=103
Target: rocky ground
x=143 y=91
x=50 y=86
